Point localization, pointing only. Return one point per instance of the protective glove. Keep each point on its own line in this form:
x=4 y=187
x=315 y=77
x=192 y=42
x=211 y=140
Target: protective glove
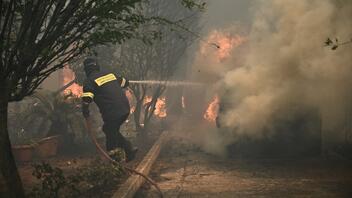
x=124 y=82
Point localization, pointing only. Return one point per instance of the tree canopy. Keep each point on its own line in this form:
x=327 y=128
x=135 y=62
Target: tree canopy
x=38 y=37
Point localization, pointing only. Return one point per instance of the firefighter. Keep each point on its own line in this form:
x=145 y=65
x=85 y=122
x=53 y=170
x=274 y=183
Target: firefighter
x=106 y=90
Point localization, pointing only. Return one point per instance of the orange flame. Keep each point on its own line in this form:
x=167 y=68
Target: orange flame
x=226 y=42
x=147 y=100
x=160 y=106
x=183 y=102
x=67 y=76
x=212 y=110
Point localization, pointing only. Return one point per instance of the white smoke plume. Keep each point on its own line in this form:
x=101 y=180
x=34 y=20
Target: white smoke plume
x=282 y=67
x=287 y=65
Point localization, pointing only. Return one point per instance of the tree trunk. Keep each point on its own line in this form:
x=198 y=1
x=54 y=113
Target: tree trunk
x=137 y=115
x=150 y=108
x=149 y=111
x=11 y=185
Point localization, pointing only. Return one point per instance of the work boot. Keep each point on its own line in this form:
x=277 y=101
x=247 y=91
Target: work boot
x=131 y=154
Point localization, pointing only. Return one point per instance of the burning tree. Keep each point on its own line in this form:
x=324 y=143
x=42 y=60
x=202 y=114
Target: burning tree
x=39 y=37
x=157 y=61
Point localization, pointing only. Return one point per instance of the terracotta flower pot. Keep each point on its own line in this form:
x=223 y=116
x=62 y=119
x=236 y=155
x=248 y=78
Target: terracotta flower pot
x=47 y=147
x=23 y=153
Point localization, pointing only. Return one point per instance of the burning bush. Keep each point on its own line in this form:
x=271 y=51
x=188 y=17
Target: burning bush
x=211 y=113
x=297 y=135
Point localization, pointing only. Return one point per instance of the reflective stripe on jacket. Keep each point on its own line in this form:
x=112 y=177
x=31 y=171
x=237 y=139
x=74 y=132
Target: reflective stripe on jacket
x=106 y=90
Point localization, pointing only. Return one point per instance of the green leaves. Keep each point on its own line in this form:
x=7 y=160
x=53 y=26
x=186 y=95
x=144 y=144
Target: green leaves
x=95 y=175
x=191 y=4
x=52 y=181
x=334 y=43
x=43 y=36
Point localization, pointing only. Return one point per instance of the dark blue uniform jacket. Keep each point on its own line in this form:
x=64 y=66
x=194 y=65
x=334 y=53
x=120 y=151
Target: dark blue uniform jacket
x=106 y=90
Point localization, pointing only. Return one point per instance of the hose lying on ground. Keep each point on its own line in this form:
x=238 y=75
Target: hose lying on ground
x=105 y=155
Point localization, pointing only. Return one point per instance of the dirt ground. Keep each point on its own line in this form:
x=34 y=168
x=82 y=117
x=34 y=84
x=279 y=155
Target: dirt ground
x=183 y=170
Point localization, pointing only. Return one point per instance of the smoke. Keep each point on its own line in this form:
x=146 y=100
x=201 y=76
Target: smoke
x=284 y=67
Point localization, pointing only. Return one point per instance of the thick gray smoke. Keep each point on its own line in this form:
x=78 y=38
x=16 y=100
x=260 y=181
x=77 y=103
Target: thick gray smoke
x=286 y=65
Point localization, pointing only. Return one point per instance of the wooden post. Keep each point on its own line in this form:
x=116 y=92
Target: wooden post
x=134 y=182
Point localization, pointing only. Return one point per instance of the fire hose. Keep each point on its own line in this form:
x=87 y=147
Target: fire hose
x=105 y=155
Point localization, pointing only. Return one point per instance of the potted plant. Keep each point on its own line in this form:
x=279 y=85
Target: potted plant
x=47 y=147
x=22 y=146
x=58 y=122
